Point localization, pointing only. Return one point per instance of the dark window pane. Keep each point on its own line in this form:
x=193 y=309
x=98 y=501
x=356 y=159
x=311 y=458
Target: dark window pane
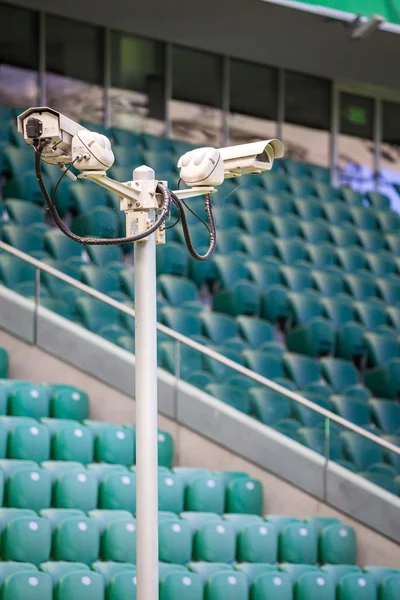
x=138 y=83
x=307 y=100
x=253 y=89
x=18 y=56
x=391 y=123
x=196 y=76
x=74 y=49
x=357 y=116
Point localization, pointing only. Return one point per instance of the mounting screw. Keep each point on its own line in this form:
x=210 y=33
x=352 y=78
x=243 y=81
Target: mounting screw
x=129 y=205
x=129 y=184
x=137 y=204
x=152 y=194
x=137 y=183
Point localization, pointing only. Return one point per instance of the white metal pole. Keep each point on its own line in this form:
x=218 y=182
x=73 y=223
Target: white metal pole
x=146 y=419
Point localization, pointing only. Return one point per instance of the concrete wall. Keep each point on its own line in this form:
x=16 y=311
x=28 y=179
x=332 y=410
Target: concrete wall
x=107 y=403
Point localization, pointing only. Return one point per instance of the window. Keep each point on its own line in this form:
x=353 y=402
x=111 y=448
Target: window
x=390 y=156
x=18 y=56
x=306 y=129
x=74 y=80
x=195 y=108
x=253 y=101
x=137 y=92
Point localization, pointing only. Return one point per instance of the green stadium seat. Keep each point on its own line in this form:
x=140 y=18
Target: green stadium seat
x=387 y=482
x=329 y=284
x=205 y=494
x=361 y=451
x=255 y=222
x=268 y=406
x=264 y=274
x=206 y=569
x=303 y=370
x=361 y=287
x=175 y=541
x=187 y=586
x=94 y=314
x=223 y=584
x=190 y=359
x=337 y=545
x=179 y=291
x=319 y=523
x=316 y=337
x=225 y=217
x=58 y=569
x=287 y=229
x=74 y=586
x=386 y=414
x=303 y=307
x=28 y=440
x=336 y=572
x=302 y=186
x=156 y=144
x=390 y=588
x=298 y=544
x=393 y=317
x=321 y=255
x=267 y=364
x=340 y=374
x=181 y=320
x=56 y=467
x=109 y=256
x=215 y=542
x=60 y=247
x=101 y=221
x=336 y=213
x=296 y=279
x=219 y=328
x=242 y=298
x=364 y=218
x=257 y=542
x=315 y=232
x=393 y=459
x=381 y=264
x=26 y=539
x=370 y=314
x=356 y=587
x=189 y=474
x=23 y=213
x=230 y=394
x=307 y=416
x=255 y=331
x=165 y=449
x=27 y=585
x=117 y=491
x=253 y=570
x=76 y=539
x=197 y=519
x=109 y=569
x=100 y=278
x=241 y=521
x=388 y=221
x=118 y=541
x=69 y=402
x=325 y=191
x=22 y=238
x=314 y=438
x=8 y=568
x=122 y=586
x=388 y=290
x=295 y=571
x=230 y=269
x=352 y=409
x=28 y=487
x=371 y=241
x=9 y=514
x=276 y=204
x=84 y=198
x=257 y=247
x=72 y=442
x=125 y=138
x=245 y=496
x=173 y=262
x=344 y=235
x=307 y=208
x=351 y=259
x=275 y=585
x=28 y=400
x=113 y=444
x=170 y=492
x=105 y=517
x=199 y=379
x=392 y=243
x=14 y=271
x=127 y=155
x=380 y=573
x=315 y=586
x=352 y=197
x=76 y=489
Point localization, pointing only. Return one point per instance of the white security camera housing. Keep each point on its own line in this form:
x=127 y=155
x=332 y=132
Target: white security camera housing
x=208 y=166
x=92 y=151
x=43 y=122
x=255 y=157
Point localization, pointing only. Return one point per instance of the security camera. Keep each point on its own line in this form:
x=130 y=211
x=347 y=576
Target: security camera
x=363 y=27
x=208 y=166
x=69 y=141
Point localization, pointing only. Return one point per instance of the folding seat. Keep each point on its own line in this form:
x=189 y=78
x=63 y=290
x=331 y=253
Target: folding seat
x=302 y=186
x=275 y=585
x=117 y=491
x=23 y=213
x=179 y=291
x=10 y=514
x=59 y=569
x=382 y=264
x=276 y=182
x=319 y=523
x=26 y=539
x=165 y=449
x=175 y=541
x=336 y=572
x=180 y=320
x=255 y=222
x=303 y=307
x=127 y=155
x=205 y=569
x=356 y=587
x=94 y=314
x=244 y=496
x=277 y=204
x=205 y=494
x=388 y=290
x=321 y=255
x=307 y=208
x=308 y=417
x=196 y=519
x=226 y=218
x=187 y=586
x=265 y=363
x=56 y=467
x=103 y=518
x=296 y=168
x=8 y=568
x=393 y=316
x=296 y=278
x=371 y=241
x=392 y=243
x=286 y=227
x=361 y=287
x=189 y=358
x=265 y=274
x=379 y=574
x=242 y=297
x=329 y=284
x=125 y=138
x=255 y=331
x=215 y=542
x=86 y=197
x=361 y=451
x=364 y=218
x=28 y=487
x=336 y=213
x=240 y=521
x=250 y=198
x=22 y=238
x=352 y=409
x=337 y=545
x=301 y=369
x=170 y=492
x=315 y=586
x=315 y=231
x=28 y=400
x=298 y=544
x=384 y=380
x=72 y=441
x=257 y=542
x=111 y=570
x=259 y=246
x=229 y=476
x=388 y=220
x=173 y=262
x=61 y=247
x=380 y=348
x=314 y=438
x=101 y=221
x=268 y=406
x=113 y=444
x=76 y=539
x=325 y=191
x=118 y=541
x=158 y=161
x=351 y=259
x=387 y=482
x=101 y=279
x=339 y=373
x=232 y=395
x=27 y=585
x=76 y=489
x=352 y=197
x=370 y=314
x=386 y=414
x=223 y=585
x=390 y=587
x=254 y=570
x=27 y=439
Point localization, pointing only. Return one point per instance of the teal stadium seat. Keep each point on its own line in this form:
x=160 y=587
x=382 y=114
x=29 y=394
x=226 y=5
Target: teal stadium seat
x=354 y=586
x=24 y=584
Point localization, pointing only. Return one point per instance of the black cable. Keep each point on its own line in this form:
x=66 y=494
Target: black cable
x=186 y=233
x=53 y=196
x=38 y=148
x=195 y=214
x=178 y=217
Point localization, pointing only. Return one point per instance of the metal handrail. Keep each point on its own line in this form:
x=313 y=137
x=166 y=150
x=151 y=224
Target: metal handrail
x=204 y=350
